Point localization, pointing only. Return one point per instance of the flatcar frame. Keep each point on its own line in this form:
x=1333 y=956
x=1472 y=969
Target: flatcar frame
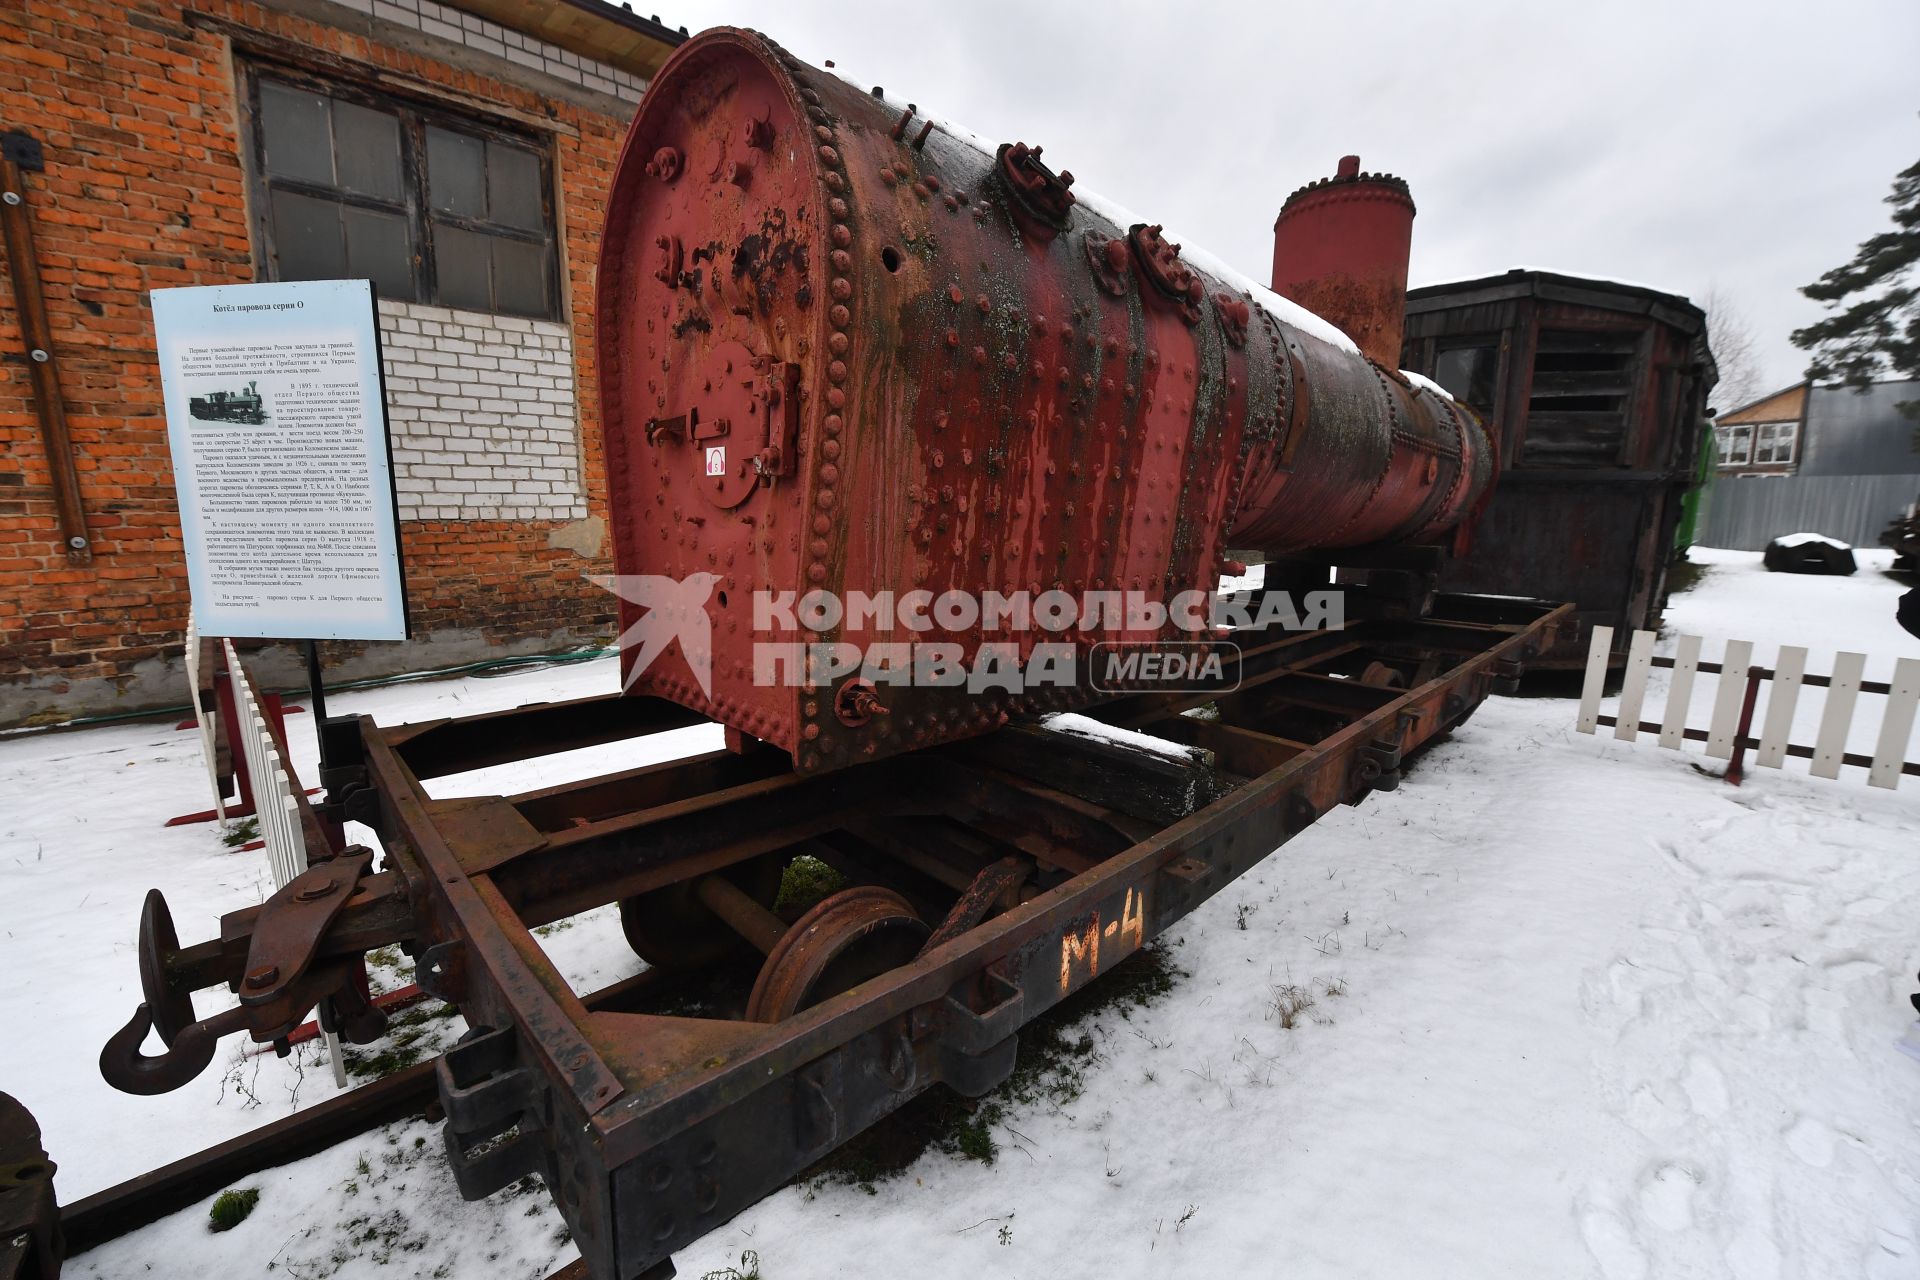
x=652 y=1129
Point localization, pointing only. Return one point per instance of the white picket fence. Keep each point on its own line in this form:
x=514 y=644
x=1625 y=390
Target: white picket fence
x=275 y=801
x=203 y=721
x=1727 y=735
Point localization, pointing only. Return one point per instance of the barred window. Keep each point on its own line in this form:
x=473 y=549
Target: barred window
x=432 y=208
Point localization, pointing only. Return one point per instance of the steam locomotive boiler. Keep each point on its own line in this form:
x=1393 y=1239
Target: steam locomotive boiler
x=850 y=349
x=847 y=350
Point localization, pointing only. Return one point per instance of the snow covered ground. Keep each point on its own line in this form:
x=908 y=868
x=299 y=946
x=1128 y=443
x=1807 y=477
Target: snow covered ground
x=1577 y=1010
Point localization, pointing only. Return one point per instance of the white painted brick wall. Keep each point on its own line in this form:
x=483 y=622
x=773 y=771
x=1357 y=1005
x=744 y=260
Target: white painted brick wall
x=484 y=417
x=449 y=23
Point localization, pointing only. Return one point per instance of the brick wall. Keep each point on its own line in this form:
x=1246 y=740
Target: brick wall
x=144 y=188
x=483 y=415
x=474 y=32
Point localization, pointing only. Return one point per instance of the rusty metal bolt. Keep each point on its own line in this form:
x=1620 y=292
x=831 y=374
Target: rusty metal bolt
x=857 y=702
x=317 y=891
x=665 y=164
x=265 y=976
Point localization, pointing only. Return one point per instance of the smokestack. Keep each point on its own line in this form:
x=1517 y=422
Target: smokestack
x=1340 y=249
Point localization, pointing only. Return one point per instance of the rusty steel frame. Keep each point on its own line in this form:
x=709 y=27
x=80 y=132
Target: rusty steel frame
x=18 y=153
x=651 y=1129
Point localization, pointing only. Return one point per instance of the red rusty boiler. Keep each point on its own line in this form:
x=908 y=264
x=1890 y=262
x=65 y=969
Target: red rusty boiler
x=849 y=348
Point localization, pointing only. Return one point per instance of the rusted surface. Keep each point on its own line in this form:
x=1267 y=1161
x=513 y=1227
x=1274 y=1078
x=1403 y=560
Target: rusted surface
x=649 y=1126
x=300 y=948
x=987 y=386
x=847 y=938
x=31 y=1246
x=36 y=336
x=1340 y=249
x=918 y=364
x=993 y=887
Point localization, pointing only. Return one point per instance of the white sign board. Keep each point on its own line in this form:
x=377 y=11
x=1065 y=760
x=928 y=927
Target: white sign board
x=280 y=459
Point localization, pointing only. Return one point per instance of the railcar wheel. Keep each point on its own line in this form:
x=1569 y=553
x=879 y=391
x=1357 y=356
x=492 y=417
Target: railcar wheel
x=671 y=928
x=847 y=938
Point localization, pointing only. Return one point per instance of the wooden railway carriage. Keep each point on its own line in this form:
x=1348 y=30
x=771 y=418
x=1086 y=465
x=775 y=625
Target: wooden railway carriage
x=1596 y=393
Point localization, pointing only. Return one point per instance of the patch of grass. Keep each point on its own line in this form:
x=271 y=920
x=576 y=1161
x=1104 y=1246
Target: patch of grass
x=240 y=831
x=1057 y=1052
x=749 y=1269
x=803 y=884
x=411 y=1037
x=230 y=1209
x=1289 y=1004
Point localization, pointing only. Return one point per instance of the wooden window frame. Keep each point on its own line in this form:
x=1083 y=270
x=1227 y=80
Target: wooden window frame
x=1631 y=343
x=1775 y=430
x=1490 y=340
x=1724 y=436
x=415 y=205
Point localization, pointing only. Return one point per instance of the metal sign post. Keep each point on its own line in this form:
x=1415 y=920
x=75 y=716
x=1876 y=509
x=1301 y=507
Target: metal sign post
x=276 y=413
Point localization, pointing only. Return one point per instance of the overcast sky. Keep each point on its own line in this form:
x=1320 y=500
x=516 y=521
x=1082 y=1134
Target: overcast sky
x=1744 y=146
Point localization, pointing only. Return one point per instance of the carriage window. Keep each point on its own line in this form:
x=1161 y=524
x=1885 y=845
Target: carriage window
x=429 y=208
x=1468 y=373
x=1580 y=408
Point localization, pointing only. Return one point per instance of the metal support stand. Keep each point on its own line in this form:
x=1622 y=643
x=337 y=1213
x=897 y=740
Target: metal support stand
x=1736 y=765
x=319 y=693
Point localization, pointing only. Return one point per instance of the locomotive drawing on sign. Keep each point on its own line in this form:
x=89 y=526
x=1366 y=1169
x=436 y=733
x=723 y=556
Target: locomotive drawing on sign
x=246 y=406
x=847 y=348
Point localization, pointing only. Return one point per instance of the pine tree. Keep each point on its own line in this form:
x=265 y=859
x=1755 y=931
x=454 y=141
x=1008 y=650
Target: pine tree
x=1872 y=329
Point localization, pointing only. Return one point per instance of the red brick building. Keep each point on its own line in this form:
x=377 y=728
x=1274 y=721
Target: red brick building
x=457 y=154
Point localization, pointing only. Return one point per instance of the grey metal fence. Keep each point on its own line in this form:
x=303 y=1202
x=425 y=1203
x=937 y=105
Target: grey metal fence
x=1747 y=514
